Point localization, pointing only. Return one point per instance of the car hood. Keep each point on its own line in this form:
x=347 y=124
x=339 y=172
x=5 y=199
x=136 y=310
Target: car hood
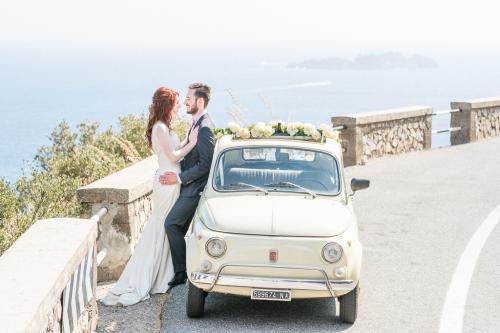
x=276 y=215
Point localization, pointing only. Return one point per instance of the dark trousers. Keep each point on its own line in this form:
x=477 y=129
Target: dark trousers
x=176 y=225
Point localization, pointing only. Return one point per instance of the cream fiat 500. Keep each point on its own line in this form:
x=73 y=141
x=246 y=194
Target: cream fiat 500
x=275 y=223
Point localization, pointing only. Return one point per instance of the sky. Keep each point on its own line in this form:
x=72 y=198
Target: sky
x=411 y=25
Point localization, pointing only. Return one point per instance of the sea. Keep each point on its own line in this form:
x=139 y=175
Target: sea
x=40 y=87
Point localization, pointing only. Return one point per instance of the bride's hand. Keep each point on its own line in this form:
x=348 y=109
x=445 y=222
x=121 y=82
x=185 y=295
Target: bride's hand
x=193 y=137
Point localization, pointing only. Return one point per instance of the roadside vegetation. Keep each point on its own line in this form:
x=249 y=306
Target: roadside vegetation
x=73 y=159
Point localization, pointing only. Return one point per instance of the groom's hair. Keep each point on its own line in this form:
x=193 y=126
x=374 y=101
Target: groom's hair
x=201 y=91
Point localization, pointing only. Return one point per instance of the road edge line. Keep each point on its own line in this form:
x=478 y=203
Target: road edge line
x=454 y=306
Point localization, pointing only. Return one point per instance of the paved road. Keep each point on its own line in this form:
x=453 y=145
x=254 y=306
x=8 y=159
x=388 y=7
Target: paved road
x=415 y=221
x=240 y=314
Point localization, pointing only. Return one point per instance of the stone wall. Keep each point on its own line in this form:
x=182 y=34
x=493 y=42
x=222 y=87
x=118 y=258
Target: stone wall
x=478 y=119
x=55 y=318
x=487 y=122
x=396 y=137
x=375 y=134
x=48 y=278
x=87 y=323
x=127 y=194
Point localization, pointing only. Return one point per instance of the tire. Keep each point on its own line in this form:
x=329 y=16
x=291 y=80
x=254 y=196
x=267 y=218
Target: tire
x=195 y=303
x=349 y=306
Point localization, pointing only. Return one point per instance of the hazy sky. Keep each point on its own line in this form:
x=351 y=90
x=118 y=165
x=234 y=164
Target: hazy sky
x=369 y=24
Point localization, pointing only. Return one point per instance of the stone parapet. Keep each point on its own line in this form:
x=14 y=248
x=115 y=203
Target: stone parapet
x=121 y=187
x=478 y=119
x=388 y=132
x=48 y=278
x=127 y=194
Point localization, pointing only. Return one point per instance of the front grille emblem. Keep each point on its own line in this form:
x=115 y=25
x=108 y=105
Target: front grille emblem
x=273 y=255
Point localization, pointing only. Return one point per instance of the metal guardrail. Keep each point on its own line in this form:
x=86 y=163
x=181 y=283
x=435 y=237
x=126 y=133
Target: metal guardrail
x=339 y=128
x=101 y=255
x=438 y=113
x=449 y=129
x=96 y=218
x=100 y=214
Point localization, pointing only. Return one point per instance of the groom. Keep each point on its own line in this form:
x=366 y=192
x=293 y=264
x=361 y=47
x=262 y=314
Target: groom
x=194 y=175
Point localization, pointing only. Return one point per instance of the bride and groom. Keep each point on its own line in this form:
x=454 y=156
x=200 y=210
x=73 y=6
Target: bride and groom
x=159 y=260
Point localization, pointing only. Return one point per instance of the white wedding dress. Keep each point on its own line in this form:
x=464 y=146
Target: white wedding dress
x=150 y=267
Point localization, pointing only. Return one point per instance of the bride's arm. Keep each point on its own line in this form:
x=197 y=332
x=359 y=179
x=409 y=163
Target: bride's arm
x=166 y=145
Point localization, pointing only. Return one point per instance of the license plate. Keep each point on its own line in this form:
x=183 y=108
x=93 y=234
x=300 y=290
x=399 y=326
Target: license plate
x=271 y=295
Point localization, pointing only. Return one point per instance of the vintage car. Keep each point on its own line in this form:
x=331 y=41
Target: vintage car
x=275 y=223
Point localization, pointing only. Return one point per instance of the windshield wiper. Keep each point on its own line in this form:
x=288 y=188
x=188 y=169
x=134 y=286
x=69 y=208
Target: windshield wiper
x=289 y=184
x=250 y=185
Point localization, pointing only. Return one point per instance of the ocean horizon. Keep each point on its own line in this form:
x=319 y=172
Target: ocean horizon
x=38 y=91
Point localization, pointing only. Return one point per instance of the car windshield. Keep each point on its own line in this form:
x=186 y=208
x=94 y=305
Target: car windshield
x=268 y=169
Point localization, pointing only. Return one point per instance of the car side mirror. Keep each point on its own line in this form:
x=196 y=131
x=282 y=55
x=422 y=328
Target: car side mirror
x=359 y=184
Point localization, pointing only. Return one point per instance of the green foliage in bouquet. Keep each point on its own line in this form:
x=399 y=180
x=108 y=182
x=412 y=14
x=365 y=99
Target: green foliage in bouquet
x=72 y=159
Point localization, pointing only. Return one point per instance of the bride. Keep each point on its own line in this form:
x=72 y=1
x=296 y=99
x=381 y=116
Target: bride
x=150 y=268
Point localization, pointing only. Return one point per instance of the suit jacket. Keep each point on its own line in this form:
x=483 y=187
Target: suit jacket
x=196 y=165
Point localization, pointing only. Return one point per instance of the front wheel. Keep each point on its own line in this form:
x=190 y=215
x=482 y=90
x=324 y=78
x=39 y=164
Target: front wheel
x=195 y=303
x=349 y=306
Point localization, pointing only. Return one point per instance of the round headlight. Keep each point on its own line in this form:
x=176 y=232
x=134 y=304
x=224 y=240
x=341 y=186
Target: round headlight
x=216 y=247
x=332 y=252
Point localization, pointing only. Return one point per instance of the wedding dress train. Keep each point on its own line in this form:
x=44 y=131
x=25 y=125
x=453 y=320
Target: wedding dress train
x=150 y=267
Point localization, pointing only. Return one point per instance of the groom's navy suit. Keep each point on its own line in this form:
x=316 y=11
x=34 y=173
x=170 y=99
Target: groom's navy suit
x=195 y=170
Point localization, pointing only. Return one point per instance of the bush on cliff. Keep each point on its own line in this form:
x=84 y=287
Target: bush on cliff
x=48 y=187
x=8 y=208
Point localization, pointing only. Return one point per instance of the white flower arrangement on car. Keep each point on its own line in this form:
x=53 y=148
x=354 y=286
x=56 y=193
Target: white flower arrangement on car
x=261 y=130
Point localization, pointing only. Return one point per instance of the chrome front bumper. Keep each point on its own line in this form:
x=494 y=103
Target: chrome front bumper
x=220 y=279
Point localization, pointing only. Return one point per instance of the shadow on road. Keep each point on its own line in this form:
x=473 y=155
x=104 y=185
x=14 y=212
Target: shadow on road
x=240 y=314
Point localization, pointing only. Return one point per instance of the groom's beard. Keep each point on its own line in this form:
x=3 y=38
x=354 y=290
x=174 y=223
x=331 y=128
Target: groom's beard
x=194 y=110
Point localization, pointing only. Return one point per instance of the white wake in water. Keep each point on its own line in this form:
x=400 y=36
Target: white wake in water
x=283 y=87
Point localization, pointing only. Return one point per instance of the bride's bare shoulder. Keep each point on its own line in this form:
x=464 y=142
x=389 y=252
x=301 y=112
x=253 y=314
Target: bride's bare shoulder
x=159 y=125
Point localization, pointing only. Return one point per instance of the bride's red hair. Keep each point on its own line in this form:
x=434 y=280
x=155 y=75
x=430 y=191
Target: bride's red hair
x=161 y=110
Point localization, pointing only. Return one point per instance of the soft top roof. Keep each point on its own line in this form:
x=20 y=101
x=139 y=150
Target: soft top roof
x=331 y=146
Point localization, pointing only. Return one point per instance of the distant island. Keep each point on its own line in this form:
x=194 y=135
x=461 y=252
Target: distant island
x=387 y=60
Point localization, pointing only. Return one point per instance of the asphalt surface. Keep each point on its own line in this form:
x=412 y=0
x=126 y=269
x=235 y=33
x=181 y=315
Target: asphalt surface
x=224 y=313
x=143 y=317
x=415 y=221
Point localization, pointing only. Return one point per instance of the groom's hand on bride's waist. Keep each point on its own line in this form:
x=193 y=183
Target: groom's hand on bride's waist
x=169 y=178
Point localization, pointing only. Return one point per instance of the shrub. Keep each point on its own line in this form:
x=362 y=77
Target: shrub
x=8 y=208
